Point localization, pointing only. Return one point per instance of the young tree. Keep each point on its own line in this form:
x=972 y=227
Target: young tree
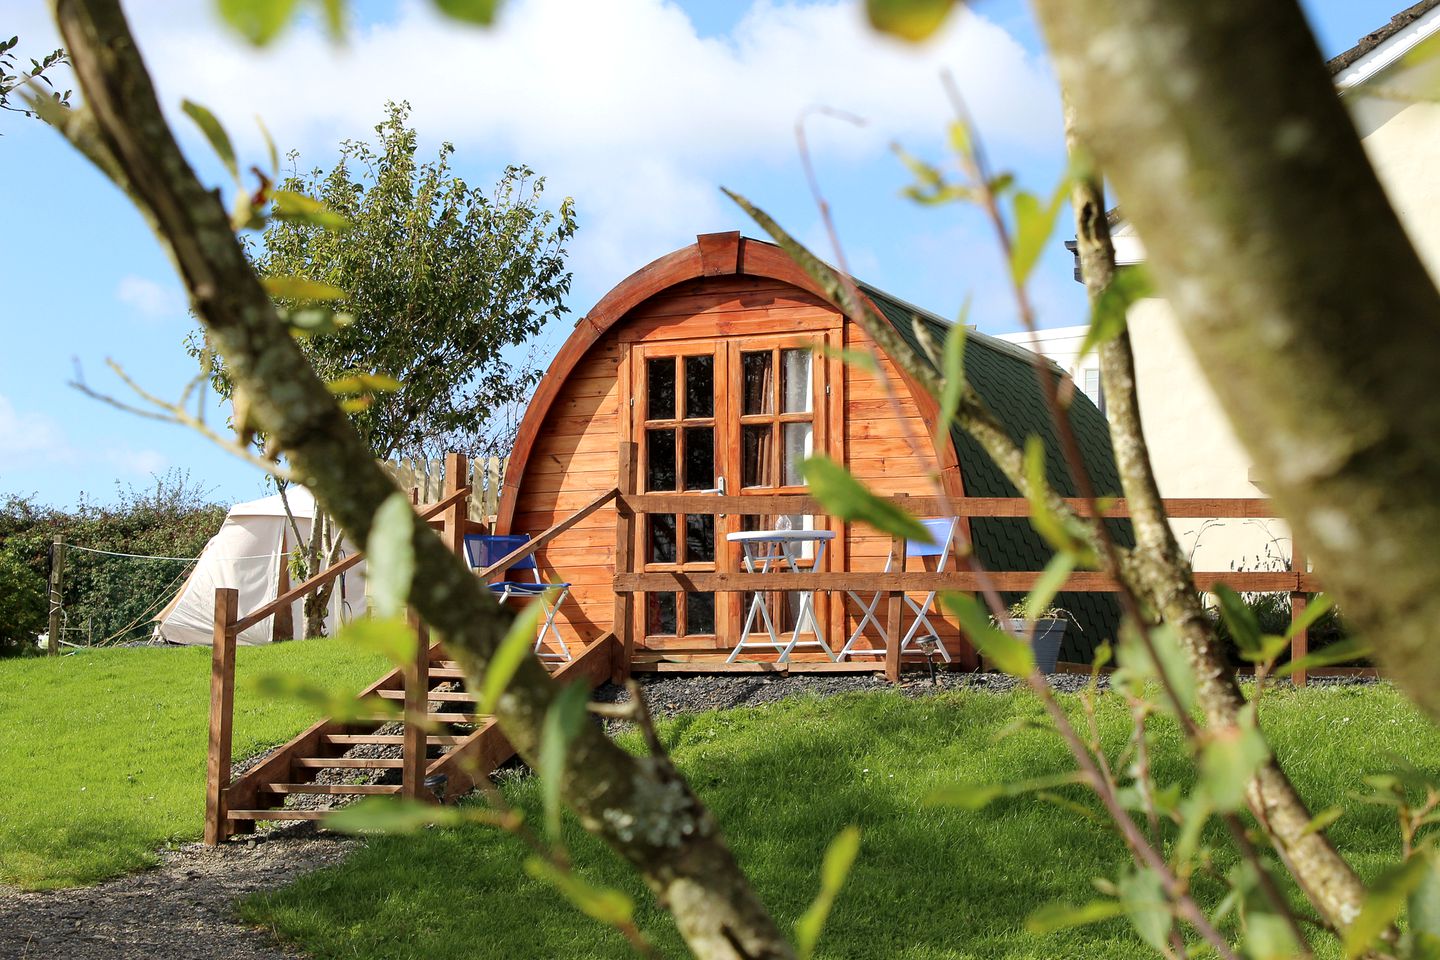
x=438 y=278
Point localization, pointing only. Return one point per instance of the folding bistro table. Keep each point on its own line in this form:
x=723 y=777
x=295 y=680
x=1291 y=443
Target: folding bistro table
x=762 y=550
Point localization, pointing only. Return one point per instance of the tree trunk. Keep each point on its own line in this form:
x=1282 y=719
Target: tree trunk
x=643 y=809
x=1310 y=312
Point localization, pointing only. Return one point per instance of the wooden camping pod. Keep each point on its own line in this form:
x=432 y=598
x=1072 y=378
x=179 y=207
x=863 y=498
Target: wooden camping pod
x=741 y=316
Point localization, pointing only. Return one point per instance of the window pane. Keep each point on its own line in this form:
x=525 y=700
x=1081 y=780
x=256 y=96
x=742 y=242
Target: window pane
x=660 y=459
x=699 y=387
x=699 y=613
x=699 y=458
x=799 y=444
x=795 y=385
x=699 y=538
x=755 y=444
x=757 y=382
x=660 y=384
x=662 y=538
x=661 y=614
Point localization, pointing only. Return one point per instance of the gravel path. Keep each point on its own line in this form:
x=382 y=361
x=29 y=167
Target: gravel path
x=182 y=910
x=185 y=908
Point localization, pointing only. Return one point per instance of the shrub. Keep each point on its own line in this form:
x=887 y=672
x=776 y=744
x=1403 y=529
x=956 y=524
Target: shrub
x=106 y=597
x=23 y=611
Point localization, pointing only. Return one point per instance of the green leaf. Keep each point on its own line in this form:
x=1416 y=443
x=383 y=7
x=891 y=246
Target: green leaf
x=1239 y=618
x=215 y=133
x=1322 y=820
x=301 y=288
x=966 y=796
x=1268 y=937
x=364 y=383
x=1005 y=651
x=390 y=555
x=1383 y=902
x=847 y=498
x=1339 y=652
x=1228 y=761
x=1048 y=522
x=337 y=705
x=954 y=388
x=1424 y=910
x=1056 y=572
x=391 y=637
x=605 y=904
x=519 y=641
x=270 y=150
x=297 y=207
x=481 y=12
x=1033 y=226
x=1062 y=916
x=834 y=869
x=258 y=21
x=390 y=815
x=562 y=724
x=1108 y=316
x=1142 y=897
x=1318 y=606
x=859 y=359
x=912 y=20
x=315 y=321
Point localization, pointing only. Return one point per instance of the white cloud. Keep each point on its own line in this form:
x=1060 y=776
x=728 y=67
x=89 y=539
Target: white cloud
x=152 y=300
x=622 y=104
x=29 y=439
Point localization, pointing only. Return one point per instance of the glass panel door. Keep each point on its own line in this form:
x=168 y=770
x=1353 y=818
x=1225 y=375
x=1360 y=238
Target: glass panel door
x=780 y=387
x=676 y=397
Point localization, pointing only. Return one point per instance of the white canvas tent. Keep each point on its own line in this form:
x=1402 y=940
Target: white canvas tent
x=247 y=554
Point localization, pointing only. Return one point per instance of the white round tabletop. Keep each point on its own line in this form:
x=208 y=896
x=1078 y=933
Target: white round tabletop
x=780 y=536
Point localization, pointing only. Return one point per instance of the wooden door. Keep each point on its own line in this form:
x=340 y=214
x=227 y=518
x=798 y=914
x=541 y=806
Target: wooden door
x=733 y=416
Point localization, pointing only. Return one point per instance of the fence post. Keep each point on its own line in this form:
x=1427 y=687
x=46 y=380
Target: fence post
x=623 y=625
x=57 y=595
x=222 y=713
x=457 y=470
x=1300 y=643
x=417 y=705
x=894 y=605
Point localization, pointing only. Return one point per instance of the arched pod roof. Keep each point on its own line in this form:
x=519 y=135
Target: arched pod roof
x=1002 y=373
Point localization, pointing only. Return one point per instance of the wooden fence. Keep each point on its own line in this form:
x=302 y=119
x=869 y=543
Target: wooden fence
x=427 y=477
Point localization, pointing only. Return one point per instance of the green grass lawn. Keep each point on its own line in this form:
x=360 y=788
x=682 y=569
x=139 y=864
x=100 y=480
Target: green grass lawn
x=102 y=754
x=929 y=883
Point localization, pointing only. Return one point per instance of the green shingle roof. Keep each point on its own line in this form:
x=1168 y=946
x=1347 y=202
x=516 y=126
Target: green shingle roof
x=1003 y=374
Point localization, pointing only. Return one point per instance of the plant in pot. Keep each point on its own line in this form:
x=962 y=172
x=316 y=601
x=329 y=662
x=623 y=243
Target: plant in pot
x=1043 y=629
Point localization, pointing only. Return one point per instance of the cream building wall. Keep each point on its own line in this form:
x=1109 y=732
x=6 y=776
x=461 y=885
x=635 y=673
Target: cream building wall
x=1194 y=448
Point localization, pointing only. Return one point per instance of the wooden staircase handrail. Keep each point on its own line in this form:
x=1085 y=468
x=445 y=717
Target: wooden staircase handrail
x=325 y=576
x=535 y=543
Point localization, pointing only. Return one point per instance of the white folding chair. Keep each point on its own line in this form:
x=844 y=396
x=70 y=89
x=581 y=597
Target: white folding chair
x=484 y=550
x=942 y=532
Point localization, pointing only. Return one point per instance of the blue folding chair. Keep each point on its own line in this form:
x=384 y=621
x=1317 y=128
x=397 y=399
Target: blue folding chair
x=942 y=532
x=485 y=550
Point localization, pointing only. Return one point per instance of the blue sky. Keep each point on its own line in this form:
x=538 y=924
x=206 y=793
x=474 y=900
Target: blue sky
x=639 y=109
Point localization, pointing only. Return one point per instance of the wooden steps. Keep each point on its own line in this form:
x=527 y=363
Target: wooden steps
x=260 y=794
x=391 y=739
x=350 y=763
x=335 y=789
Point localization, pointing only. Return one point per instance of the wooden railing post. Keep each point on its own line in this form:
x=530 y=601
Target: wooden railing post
x=624 y=612
x=417 y=705
x=457 y=473
x=57 y=596
x=1300 y=643
x=222 y=713
x=894 y=605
